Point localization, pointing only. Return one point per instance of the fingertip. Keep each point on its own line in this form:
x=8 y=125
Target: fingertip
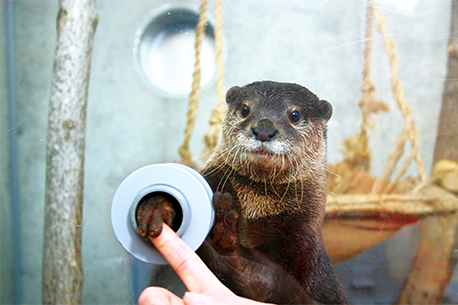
x=158 y=296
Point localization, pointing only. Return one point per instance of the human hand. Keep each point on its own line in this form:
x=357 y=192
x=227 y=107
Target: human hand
x=204 y=287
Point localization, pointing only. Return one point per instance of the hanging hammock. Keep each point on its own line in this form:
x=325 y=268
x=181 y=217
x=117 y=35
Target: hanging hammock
x=358 y=202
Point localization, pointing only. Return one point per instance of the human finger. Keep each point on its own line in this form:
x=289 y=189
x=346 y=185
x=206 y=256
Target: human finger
x=189 y=267
x=158 y=296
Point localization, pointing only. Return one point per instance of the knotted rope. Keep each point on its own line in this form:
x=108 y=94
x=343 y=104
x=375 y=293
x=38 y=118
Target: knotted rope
x=368 y=104
x=194 y=97
x=219 y=111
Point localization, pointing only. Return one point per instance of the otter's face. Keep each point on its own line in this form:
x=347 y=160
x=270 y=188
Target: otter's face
x=275 y=128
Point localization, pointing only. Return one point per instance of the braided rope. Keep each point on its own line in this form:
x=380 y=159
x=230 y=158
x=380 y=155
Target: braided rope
x=194 y=97
x=368 y=104
x=217 y=115
x=368 y=99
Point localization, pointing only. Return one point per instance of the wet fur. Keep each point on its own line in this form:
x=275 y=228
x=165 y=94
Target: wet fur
x=268 y=175
x=280 y=256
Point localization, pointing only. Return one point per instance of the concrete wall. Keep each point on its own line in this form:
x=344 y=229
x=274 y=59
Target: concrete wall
x=6 y=253
x=315 y=43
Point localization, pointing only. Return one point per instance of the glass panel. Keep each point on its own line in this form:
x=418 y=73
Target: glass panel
x=315 y=43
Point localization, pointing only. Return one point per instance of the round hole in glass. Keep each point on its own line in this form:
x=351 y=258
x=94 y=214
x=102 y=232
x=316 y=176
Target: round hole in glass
x=164 y=51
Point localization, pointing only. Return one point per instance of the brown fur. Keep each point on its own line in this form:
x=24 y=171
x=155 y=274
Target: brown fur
x=268 y=175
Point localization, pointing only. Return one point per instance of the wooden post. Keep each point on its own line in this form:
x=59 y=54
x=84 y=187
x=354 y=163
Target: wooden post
x=62 y=270
x=436 y=256
x=447 y=130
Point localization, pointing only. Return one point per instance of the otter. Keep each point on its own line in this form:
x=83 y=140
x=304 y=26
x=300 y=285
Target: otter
x=268 y=174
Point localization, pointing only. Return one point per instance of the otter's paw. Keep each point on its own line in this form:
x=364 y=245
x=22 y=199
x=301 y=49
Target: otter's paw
x=151 y=213
x=224 y=232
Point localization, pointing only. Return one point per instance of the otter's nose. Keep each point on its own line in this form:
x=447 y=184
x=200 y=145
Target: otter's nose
x=264 y=130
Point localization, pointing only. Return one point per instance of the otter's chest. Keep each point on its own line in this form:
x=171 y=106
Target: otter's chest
x=261 y=200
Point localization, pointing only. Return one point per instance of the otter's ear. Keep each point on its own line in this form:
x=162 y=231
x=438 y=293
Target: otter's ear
x=231 y=94
x=324 y=110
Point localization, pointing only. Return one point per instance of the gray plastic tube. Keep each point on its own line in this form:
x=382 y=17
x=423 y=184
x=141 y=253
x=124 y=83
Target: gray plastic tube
x=186 y=185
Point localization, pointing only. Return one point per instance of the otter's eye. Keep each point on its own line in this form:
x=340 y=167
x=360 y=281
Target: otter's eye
x=294 y=116
x=245 y=111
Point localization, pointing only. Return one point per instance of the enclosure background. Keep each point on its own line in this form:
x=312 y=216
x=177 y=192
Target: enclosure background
x=315 y=43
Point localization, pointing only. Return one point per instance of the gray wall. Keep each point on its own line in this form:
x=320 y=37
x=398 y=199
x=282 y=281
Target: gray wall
x=6 y=285
x=315 y=43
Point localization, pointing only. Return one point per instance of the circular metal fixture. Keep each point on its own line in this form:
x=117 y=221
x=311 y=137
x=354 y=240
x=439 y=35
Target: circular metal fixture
x=187 y=187
x=164 y=53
